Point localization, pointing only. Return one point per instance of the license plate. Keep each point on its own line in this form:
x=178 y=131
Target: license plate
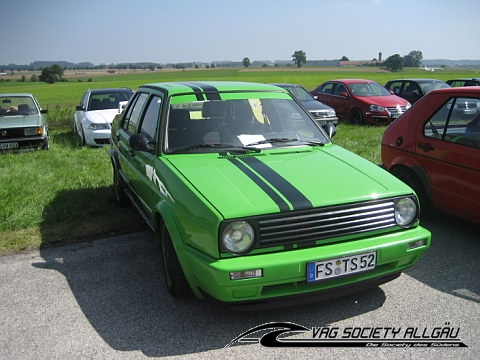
x=348 y=265
x=10 y=145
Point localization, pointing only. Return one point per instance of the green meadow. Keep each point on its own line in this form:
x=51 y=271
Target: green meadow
x=65 y=194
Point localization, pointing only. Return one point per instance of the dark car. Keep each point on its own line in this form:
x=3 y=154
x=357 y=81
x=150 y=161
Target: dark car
x=414 y=89
x=320 y=112
x=23 y=125
x=361 y=101
x=464 y=82
x=435 y=148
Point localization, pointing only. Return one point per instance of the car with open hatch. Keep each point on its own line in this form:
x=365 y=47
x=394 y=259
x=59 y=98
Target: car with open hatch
x=320 y=112
x=361 y=101
x=252 y=203
x=435 y=148
x=23 y=126
x=93 y=117
x=414 y=89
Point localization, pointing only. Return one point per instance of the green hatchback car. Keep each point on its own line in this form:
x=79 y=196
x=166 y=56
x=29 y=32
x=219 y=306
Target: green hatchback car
x=253 y=204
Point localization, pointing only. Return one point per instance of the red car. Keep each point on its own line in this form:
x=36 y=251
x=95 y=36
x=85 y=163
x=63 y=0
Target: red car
x=435 y=148
x=361 y=101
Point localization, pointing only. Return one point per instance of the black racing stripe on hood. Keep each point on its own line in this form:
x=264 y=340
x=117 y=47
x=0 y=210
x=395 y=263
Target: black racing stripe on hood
x=291 y=193
x=197 y=90
x=282 y=205
x=210 y=91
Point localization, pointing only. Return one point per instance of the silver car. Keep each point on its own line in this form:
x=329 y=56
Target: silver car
x=23 y=126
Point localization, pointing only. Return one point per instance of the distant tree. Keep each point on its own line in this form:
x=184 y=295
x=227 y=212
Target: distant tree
x=52 y=74
x=344 y=58
x=299 y=58
x=413 y=59
x=246 y=62
x=394 y=63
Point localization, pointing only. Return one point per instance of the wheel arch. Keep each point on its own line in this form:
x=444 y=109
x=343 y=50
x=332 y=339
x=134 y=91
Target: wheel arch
x=420 y=182
x=164 y=217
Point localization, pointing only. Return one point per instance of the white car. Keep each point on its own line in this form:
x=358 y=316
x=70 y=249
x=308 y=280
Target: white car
x=93 y=118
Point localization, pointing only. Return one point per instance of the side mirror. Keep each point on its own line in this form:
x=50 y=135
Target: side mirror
x=43 y=111
x=79 y=108
x=121 y=106
x=141 y=143
x=344 y=94
x=330 y=129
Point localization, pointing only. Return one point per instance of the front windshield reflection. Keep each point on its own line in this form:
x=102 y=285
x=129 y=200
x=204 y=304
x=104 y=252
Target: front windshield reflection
x=254 y=123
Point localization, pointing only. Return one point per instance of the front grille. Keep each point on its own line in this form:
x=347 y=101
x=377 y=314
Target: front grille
x=398 y=110
x=327 y=222
x=12 y=133
x=320 y=114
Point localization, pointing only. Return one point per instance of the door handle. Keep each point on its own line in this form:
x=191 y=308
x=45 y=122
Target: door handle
x=426 y=147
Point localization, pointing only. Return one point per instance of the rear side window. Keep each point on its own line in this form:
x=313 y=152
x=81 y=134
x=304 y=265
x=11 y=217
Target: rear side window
x=458 y=121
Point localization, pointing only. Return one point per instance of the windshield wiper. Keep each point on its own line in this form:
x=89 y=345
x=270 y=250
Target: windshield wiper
x=314 y=143
x=272 y=141
x=225 y=147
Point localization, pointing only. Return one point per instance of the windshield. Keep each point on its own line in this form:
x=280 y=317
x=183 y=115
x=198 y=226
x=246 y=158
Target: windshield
x=108 y=100
x=300 y=93
x=17 y=105
x=245 y=124
x=368 y=89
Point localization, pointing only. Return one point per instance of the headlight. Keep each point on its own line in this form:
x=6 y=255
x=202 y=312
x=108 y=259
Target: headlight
x=331 y=113
x=408 y=106
x=33 y=131
x=237 y=237
x=405 y=211
x=98 y=126
x=377 y=108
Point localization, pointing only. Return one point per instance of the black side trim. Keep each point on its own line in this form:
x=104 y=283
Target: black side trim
x=282 y=205
x=292 y=194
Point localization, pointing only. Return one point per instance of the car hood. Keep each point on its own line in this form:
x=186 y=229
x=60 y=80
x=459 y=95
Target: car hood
x=285 y=179
x=21 y=121
x=385 y=101
x=101 y=116
x=315 y=105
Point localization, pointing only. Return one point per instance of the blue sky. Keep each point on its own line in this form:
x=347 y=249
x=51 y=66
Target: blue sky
x=173 y=31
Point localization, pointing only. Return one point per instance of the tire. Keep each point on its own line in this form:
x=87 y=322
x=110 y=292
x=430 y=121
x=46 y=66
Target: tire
x=119 y=188
x=175 y=280
x=357 y=116
x=412 y=180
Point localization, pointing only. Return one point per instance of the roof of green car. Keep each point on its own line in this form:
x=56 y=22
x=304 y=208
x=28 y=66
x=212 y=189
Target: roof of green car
x=205 y=86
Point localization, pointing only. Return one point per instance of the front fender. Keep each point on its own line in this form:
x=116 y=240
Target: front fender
x=165 y=217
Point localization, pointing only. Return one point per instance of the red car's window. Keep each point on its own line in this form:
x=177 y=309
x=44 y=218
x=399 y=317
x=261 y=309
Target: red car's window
x=458 y=121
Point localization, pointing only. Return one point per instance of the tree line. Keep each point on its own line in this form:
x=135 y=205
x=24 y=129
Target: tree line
x=393 y=63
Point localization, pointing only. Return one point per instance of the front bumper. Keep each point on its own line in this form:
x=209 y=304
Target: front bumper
x=24 y=144
x=285 y=272
x=97 y=137
x=323 y=120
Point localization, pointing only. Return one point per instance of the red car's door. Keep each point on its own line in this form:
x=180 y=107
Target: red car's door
x=449 y=149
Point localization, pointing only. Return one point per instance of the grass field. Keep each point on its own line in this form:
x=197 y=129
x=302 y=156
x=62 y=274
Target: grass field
x=65 y=194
